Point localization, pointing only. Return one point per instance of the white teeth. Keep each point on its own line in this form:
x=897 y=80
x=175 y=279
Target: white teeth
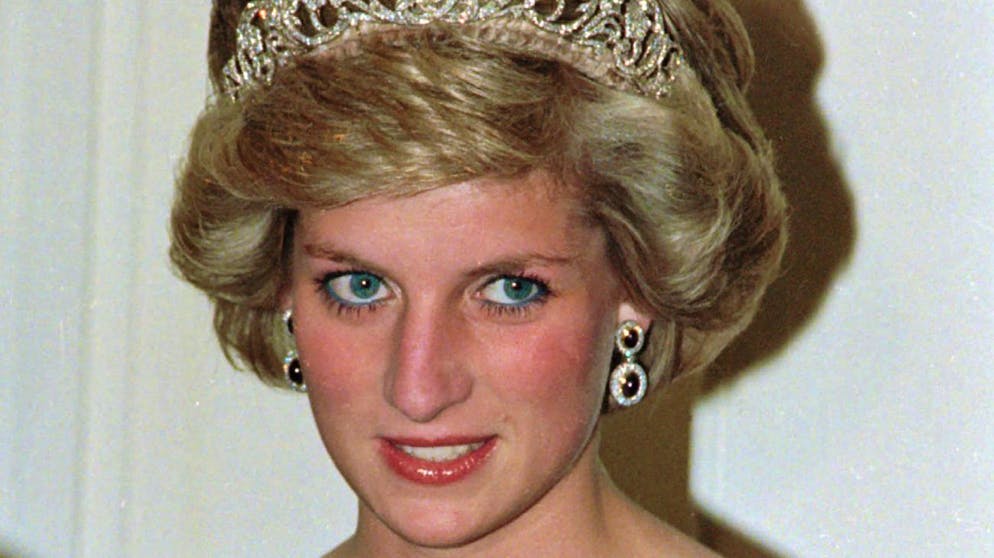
x=439 y=453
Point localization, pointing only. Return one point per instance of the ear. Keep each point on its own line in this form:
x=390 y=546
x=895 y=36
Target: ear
x=627 y=311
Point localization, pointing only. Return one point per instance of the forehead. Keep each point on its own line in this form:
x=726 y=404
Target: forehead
x=479 y=216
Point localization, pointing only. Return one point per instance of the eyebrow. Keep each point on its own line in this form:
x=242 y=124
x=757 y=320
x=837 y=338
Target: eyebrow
x=330 y=253
x=507 y=266
x=517 y=264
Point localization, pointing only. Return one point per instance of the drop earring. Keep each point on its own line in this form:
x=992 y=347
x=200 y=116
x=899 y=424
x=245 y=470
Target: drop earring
x=292 y=372
x=629 y=382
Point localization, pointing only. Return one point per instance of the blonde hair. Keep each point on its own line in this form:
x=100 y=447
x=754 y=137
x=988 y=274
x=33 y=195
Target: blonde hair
x=684 y=187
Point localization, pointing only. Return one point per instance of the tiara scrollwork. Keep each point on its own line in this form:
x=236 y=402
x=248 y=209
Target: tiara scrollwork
x=634 y=33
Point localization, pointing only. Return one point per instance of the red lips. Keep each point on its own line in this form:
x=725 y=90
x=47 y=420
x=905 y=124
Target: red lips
x=424 y=471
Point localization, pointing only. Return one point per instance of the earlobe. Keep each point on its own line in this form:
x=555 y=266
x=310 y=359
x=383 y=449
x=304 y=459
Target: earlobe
x=627 y=311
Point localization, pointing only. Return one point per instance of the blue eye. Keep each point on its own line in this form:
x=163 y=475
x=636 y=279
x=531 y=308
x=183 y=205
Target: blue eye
x=514 y=291
x=356 y=288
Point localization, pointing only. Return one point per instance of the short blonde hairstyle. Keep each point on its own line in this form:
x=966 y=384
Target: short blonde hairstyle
x=684 y=187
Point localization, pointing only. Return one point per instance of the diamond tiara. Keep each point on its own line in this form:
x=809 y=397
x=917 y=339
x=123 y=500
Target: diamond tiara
x=628 y=41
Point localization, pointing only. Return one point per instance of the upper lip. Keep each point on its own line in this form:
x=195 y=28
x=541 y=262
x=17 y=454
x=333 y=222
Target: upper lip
x=436 y=441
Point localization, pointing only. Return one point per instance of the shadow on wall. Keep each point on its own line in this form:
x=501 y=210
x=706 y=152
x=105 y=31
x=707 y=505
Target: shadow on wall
x=647 y=449
x=6 y=551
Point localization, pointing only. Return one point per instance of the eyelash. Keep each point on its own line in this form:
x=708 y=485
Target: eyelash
x=497 y=309
x=494 y=309
x=344 y=308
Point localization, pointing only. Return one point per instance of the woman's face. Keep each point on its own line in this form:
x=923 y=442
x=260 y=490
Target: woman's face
x=456 y=347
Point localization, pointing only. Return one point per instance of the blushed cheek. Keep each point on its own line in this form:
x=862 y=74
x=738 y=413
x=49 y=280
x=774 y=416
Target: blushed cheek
x=342 y=385
x=337 y=373
x=555 y=386
x=560 y=369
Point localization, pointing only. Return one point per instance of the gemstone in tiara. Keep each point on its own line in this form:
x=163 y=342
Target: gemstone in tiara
x=630 y=41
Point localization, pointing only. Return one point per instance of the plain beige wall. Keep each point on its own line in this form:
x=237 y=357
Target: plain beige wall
x=854 y=419
x=869 y=431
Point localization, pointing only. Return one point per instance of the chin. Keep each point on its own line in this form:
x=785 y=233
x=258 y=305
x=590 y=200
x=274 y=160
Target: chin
x=437 y=528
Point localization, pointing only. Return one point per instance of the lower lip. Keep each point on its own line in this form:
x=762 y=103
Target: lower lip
x=422 y=471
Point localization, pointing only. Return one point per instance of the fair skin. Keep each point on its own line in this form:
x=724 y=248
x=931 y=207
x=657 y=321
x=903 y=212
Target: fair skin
x=456 y=345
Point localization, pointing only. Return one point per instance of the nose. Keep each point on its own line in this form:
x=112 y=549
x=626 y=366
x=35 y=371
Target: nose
x=427 y=375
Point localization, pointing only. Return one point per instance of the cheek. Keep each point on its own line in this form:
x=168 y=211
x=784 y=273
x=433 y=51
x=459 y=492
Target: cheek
x=337 y=366
x=563 y=367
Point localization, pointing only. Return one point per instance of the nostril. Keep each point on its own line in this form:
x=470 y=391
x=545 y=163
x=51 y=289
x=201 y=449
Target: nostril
x=423 y=394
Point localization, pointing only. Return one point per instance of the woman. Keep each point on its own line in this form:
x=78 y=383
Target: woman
x=466 y=231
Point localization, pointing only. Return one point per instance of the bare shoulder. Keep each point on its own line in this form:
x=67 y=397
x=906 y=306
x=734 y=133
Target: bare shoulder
x=344 y=550
x=657 y=535
x=644 y=535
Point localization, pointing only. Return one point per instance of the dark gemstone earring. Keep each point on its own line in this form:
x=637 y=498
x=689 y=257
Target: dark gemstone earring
x=292 y=372
x=629 y=382
x=288 y=320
